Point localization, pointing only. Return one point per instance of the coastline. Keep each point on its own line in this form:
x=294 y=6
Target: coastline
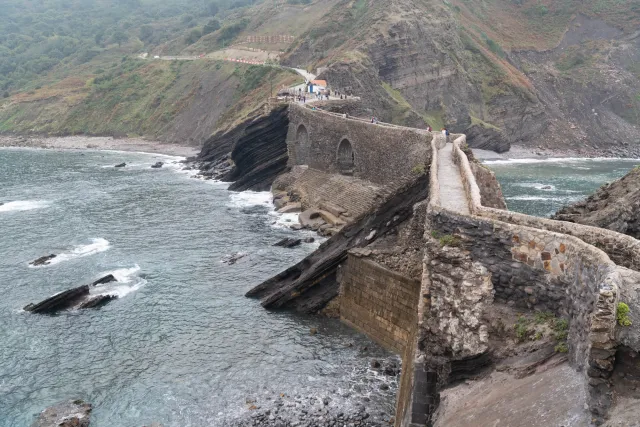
x=99 y=143
x=518 y=152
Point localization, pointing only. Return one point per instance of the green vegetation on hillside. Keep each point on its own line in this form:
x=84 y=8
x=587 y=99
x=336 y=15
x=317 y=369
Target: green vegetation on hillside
x=37 y=36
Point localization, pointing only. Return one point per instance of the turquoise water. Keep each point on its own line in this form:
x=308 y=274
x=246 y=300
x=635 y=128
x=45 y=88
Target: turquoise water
x=181 y=346
x=542 y=187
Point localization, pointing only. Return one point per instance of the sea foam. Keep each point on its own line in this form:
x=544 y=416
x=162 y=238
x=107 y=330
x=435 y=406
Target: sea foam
x=23 y=205
x=96 y=246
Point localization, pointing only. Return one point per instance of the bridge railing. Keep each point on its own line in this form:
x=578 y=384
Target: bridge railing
x=368 y=121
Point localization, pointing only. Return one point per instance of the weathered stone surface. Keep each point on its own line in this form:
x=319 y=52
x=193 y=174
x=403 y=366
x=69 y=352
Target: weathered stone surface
x=291 y=208
x=74 y=413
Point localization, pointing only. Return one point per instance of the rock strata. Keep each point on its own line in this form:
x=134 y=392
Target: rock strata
x=74 y=413
x=73 y=298
x=615 y=206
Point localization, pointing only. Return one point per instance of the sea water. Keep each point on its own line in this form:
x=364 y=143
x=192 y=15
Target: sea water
x=541 y=187
x=181 y=345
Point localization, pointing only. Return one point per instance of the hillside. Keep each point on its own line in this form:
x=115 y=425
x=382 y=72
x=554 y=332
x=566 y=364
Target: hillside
x=542 y=73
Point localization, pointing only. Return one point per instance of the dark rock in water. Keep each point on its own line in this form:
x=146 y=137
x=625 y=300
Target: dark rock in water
x=546 y=187
x=257 y=148
x=309 y=285
x=120 y=165
x=59 y=302
x=43 y=260
x=288 y=243
x=157 y=165
x=106 y=279
x=75 y=413
x=97 y=301
x=309 y=240
x=77 y=297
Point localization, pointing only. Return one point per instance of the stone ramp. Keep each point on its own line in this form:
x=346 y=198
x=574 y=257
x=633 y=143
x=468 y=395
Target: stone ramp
x=452 y=194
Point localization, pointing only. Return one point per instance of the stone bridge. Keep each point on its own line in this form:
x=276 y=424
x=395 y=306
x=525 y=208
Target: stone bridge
x=380 y=153
x=471 y=257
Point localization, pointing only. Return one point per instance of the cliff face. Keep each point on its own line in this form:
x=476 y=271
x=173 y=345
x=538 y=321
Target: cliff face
x=252 y=154
x=503 y=72
x=615 y=206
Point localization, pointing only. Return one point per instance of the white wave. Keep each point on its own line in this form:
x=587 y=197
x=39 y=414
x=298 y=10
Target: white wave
x=95 y=247
x=537 y=186
x=558 y=160
x=532 y=198
x=250 y=198
x=283 y=220
x=128 y=281
x=23 y=205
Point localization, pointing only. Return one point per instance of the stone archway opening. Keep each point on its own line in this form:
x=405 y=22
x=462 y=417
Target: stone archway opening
x=346 y=158
x=302 y=145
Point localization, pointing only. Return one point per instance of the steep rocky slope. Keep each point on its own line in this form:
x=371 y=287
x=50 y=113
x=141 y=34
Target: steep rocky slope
x=615 y=206
x=539 y=73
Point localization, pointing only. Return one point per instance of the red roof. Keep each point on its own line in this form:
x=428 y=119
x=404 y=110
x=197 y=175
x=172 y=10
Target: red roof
x=322 y=83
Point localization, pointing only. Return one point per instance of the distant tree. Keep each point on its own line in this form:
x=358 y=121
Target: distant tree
x=212 y=8
x=213 y=25
x=99 y=38
x=146 y=32
x=119 y=37
x=194 y=36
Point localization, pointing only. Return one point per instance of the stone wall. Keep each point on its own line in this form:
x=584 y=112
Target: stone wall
x=378 y=153
x=379 y=302
x=569 y=276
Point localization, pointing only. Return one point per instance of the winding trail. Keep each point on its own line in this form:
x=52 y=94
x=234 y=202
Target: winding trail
x=452 y=194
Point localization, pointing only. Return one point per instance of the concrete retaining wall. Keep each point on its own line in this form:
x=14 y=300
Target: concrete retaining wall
x=379 y=302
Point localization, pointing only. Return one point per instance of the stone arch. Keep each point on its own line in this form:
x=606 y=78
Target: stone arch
x=302 y=145
x=346 y=157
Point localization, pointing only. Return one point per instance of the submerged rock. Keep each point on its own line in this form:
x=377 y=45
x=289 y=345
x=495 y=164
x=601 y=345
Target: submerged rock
x=288 y=243
x=45 y=260
x=120 y=165
x=74 y=413
x=106 y=279
x=97 y=301
x=233 y=258
x=157 y=165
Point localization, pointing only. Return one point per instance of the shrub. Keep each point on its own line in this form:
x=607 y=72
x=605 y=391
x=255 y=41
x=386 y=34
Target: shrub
x=622 y=314
x=449 y=240
x=418 y=170
x=561 y=347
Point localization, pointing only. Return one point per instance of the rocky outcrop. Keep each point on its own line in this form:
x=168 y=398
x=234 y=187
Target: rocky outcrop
x=309 y=285
x=260 y=155
x=157 y=165
x=615 y=206
x=252 y=154
x=288 y=243
x=120 y=165
x=73 y=298
x=44 y=260
x=74 y=413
